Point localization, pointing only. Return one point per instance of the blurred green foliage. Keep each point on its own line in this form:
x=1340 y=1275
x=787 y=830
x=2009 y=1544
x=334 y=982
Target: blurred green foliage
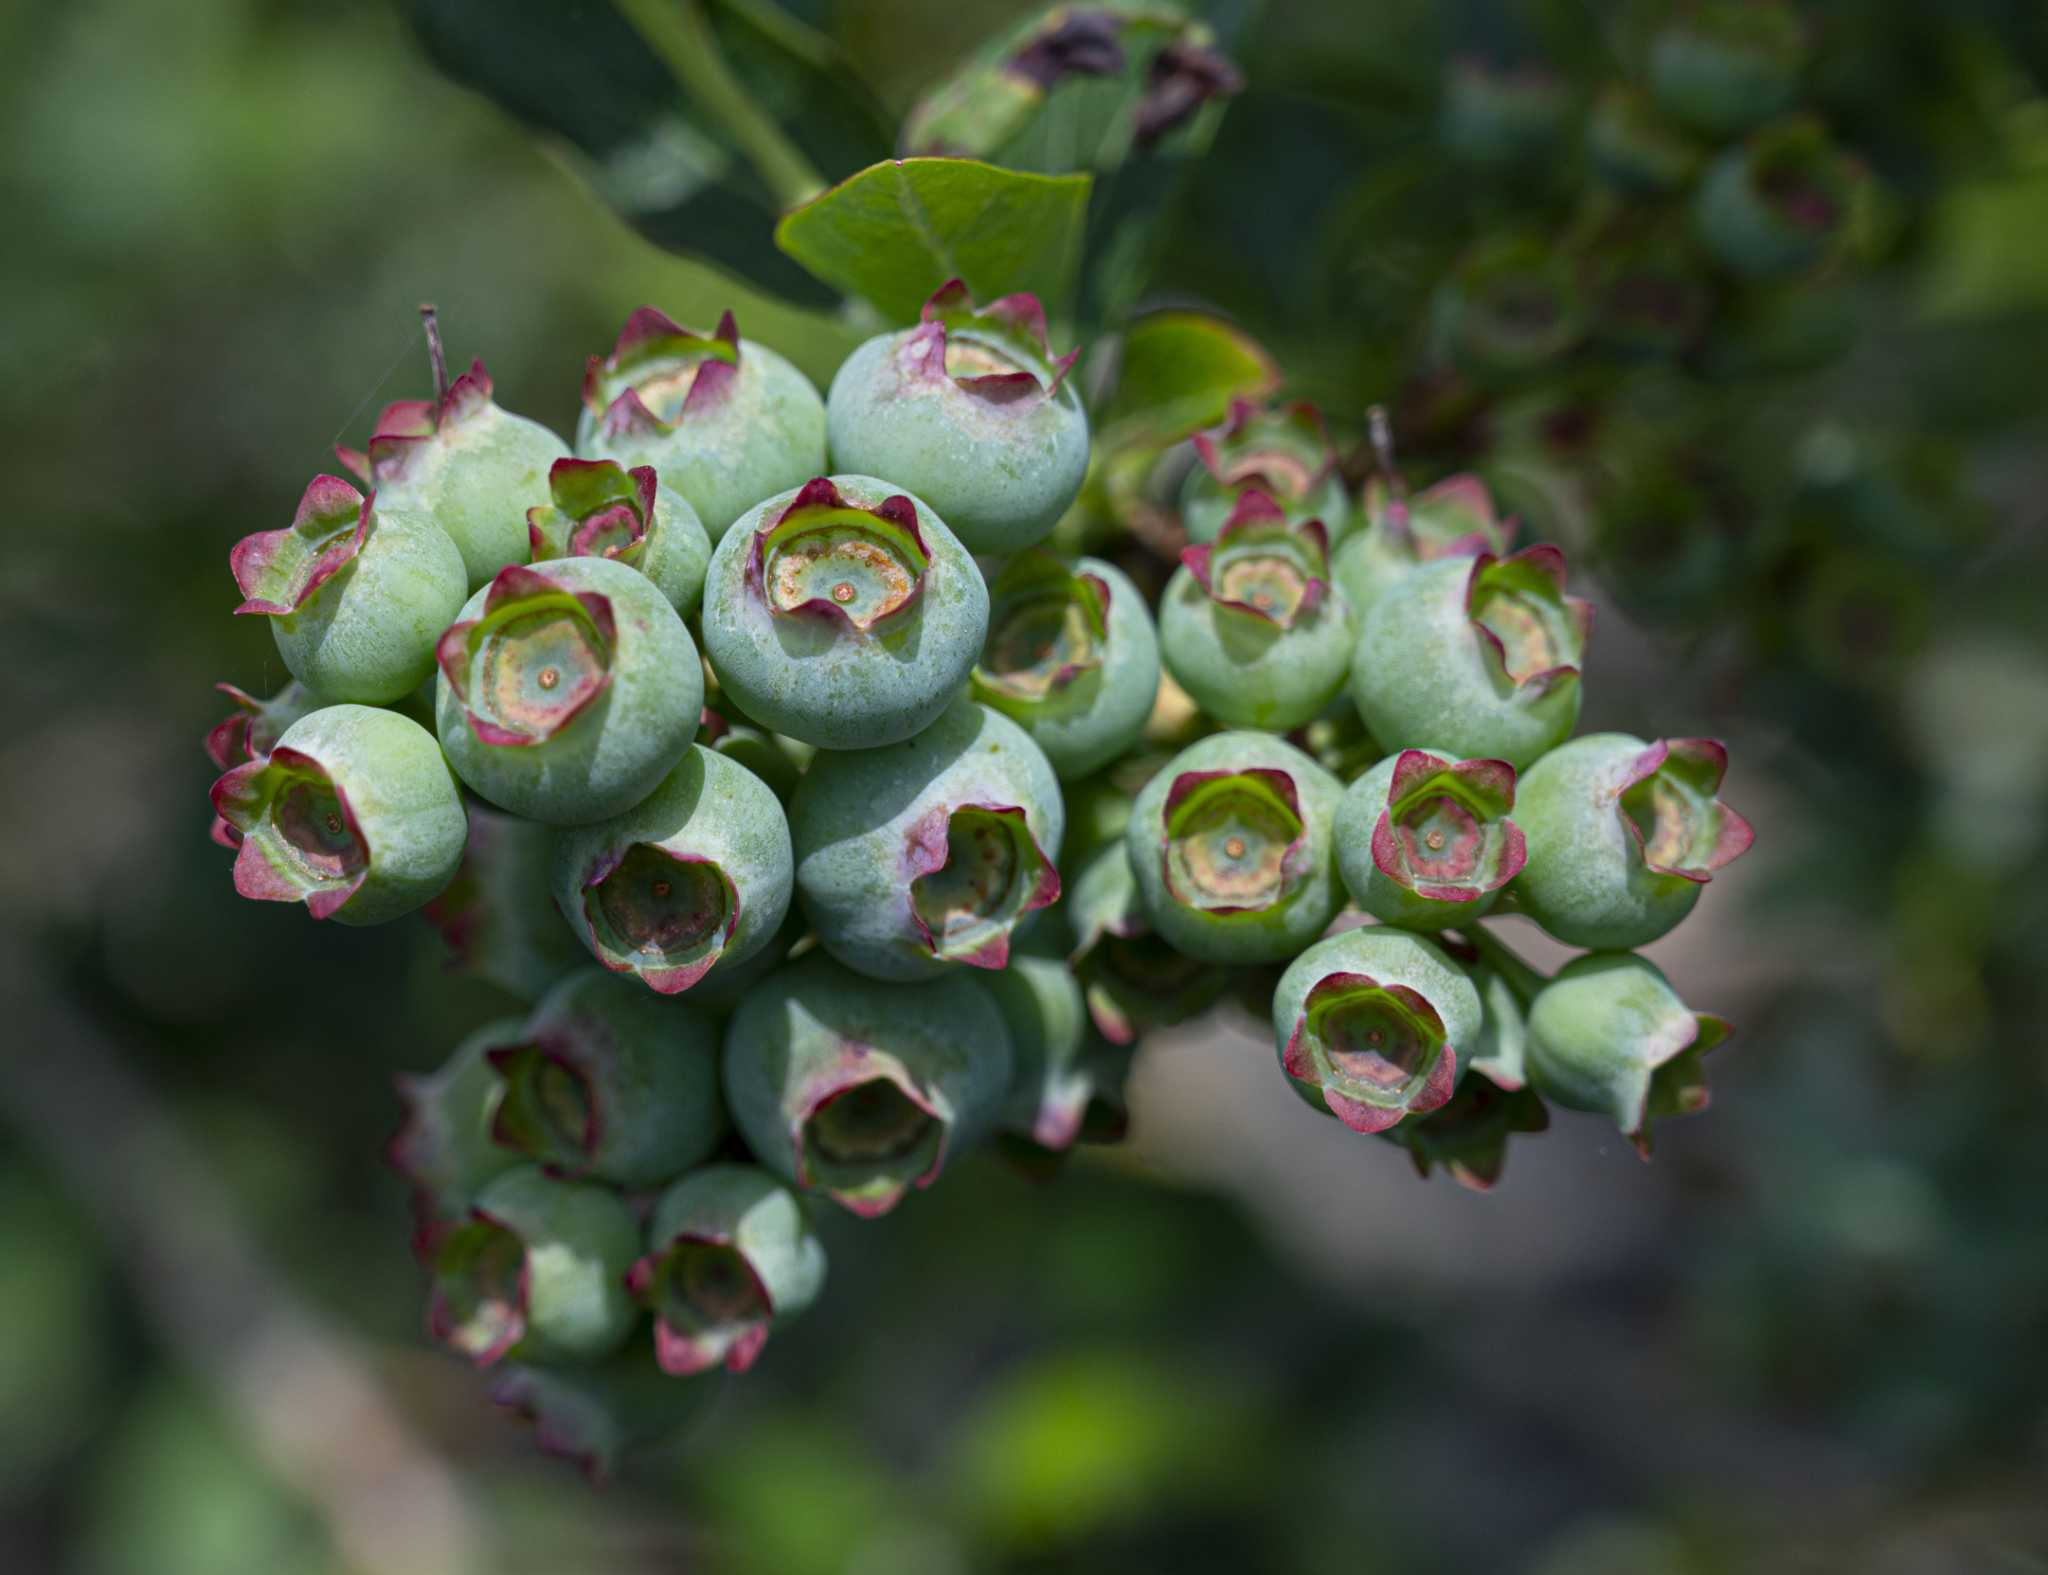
x=1812 y=1337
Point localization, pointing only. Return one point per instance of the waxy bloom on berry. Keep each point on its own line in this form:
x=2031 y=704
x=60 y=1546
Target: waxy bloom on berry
x=844 y=614
x=1375 y=1026
x=567 y=691
x=970 y=411
x=723 y=420
x=861 y=1090
x=601 y=510
x=356 y=595
x=1424 y=839
x=1622 y=836
x=730 y=1254
x=352 y=812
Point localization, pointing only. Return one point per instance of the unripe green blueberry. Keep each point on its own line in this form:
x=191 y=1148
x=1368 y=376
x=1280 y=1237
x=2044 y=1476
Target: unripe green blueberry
x=465 y=464
x=497 y=917
x=1509 y=309
x=1502 y=118
x=252 y=729
x=1284 y=453
x=844 y=613
x=730 y=1255
x=1501 y=1054
x=444 y=1148
x=536 y=1272
x=1049 y=1085
x=607 y=1081
x=568 y=691
x=692 y=880
x=1634 y=147
x=919 y=857
x=1250 y=625
x=601 y=510
x=353 y=813
x=861 y=1090
x=1453 y=519
x=1375 y=1025
x=598 y=1415
x=970 y=411
x=1479 y=655
x=725 y=421
x=1724 y=65
x=1609 y=1035
x=1424 y=839
x=1232 y=851
x=1071 y=657
x=1778 y=204
x=1130 y=978
x=765 y=754
x=356 y=595
x=1622 y=834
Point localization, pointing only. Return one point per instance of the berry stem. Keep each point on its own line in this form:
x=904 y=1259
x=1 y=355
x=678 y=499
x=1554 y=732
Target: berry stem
x=1521 y=978
x=1380 y=432
x=430 y=320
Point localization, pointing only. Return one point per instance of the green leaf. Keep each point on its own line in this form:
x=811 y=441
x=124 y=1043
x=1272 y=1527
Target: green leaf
x=700 y=120
x=1178 y=373
x=898 y=230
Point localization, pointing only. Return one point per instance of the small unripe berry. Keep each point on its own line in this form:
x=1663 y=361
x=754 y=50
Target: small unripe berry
x=971 y=412
x=598 y=1414
x=1453 y=519
x=1480 y=655
x=1375 y=1025
x=567 y=691
x=353 y=813
x=1071 y=657
x=726 y=422
x=1424 y=840
x=1510 y=308
x=1622 y=835
x=919 y=857
x=1232 y=851
x=1502 y=118
x=1284 y=453
x=844 y=614
x=1469 y=1136
x=444 y=1149
x=1049 y=1085
x=356 y=595
x=536 y=1272
x=497 y=917
x=1609 y=1035
x=601 y=510
x=1250 y=625
x=730 y=1255
x=1130 y=978
x=692 y=880
x=1778 y=204
x=464 y=463
x=607 y=1081
x=861 y=1090
x=1724 y=65
x=252 y=729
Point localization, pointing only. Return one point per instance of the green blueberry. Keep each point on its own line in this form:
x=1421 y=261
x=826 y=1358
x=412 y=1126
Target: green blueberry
x=1375 y=1025
x=1622 y=835
x=1130 y=978
x=536 y=1272
x=497 y=917
x=1285 y=453
x=1723 y=66
x=600 y=1414
x=1424 y=840
x=1232 y=852
x=1778 y=204
x=1609 y=1035
x=1509 y=309
x=1071 y=657
x=922 y=856
x=1250 y=625
x=692 y=880
x=970 y=411
x=444 y=1149
x=1480 y=655
x=601 y=510
x=1634 y=147
x=725 y=421
x=464 y=463
x=567 y=691
x=731 y=1254
x=607 y=1081
x=1050 y=1084
x=1453 y=519
x=1502 y=118
x=844 y=614
x=767 y=755
x=353 y=813
x=356 y=595
x=861 y=1090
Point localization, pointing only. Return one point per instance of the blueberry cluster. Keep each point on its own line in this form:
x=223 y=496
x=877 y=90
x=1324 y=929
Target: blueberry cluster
x=755 y=743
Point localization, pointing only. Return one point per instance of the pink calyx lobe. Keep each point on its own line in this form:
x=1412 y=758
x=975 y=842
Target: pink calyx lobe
x=536 y=659
x=1235 y=841
x=1048 y=625
x=1444 y=834
x=863 y=1131
x=710 y=1305
x=550 y=1108
x=1533 y=633
x=1668 y=804
x=1286 y=453
x=824 y=557
x=971 y=871
x=663 y=914
x=482 y=1285
x=295 y=836
x=1262 y=566
x=669 y=373
x=277 y=570
x=1375 y=1052
x=406 y=425
x=600 y=510
x=1000 y=353
x=1454 y=518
